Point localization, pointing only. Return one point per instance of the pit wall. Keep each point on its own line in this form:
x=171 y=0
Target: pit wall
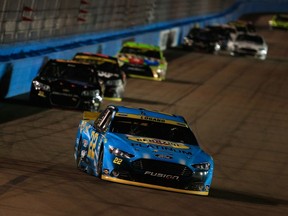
x=20 y=63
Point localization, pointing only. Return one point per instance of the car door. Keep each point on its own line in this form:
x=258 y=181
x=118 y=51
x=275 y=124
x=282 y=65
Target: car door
x=97 y=135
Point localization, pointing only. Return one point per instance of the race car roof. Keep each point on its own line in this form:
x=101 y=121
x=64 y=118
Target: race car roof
x=88 y=54
x=65 y=61
x=141 y=45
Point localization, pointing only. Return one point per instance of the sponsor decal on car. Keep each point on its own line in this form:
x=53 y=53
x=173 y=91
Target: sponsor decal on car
x=41 y=94
x=140 y=69
x=163 y=156
x=159 y=142
x=148 y=118
x=152 y=119
x=164 y=148
x=107 y=74
x=161 y=175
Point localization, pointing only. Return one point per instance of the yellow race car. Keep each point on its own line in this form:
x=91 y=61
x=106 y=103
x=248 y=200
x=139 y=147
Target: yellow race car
x=279 y=21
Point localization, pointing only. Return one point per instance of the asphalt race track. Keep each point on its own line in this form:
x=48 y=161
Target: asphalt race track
x=237 y=107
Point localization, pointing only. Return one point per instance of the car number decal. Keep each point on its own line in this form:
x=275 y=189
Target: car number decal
x=92 y=144
x=117 y=160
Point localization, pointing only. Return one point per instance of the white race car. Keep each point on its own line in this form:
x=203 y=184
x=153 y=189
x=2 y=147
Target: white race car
x=249 y=45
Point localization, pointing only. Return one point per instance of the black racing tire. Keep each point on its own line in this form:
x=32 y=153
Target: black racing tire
x=100 y=163
x=78 y=160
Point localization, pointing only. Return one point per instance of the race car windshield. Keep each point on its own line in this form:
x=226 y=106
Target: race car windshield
x=108 y=65
x=70 y=72
x=282 y=18
x=206 y=35
x=144 y=52
x=151 y=129
x=241 y=29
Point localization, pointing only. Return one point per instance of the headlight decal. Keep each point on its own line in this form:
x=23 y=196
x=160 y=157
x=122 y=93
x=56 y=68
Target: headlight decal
x=40 y=86
x=201 y=166
x=91 y=93
x=119 y=153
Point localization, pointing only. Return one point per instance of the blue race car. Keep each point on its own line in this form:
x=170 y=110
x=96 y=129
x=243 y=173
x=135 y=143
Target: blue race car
x=145 y=148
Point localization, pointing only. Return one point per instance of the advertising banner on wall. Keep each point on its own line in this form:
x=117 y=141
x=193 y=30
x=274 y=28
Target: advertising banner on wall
x=169 y=38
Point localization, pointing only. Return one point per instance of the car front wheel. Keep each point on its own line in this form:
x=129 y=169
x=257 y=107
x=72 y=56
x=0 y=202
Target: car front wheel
x=79 y=158
x=100 y=163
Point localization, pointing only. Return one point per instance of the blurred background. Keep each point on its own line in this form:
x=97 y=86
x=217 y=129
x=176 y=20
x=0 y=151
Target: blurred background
x=33 y=31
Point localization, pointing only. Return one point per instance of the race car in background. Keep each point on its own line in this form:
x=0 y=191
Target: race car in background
x=109 y=72
x=243 y=26
x=139 y=60
x=279 y=21
x=68 y=84
x=224 y=33
x=249 y=45
x=140 y=147
x=202 y=39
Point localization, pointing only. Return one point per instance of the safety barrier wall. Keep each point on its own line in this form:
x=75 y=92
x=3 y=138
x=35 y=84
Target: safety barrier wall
x=19 y=66
x=28 y=20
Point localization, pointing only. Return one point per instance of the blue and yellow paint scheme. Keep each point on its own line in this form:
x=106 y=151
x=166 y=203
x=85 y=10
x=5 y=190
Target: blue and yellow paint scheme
x=107 y=151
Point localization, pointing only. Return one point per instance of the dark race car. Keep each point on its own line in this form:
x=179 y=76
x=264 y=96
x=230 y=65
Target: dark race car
x=145 y=148
x=109 y=72
x=224 y=33
x=202 y=39
x=69 y=84
x=242 y=26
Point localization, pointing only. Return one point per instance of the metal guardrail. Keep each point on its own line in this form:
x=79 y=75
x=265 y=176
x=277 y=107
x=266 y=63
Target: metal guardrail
x=22 y=20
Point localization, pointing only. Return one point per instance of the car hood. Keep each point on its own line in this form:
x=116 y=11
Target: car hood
x=157 y=149
x=108 y=75
x=141 y=60
x=68 y=84
x=247 y=44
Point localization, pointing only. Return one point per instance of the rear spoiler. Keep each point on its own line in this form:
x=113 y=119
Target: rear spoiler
x=90 y=115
